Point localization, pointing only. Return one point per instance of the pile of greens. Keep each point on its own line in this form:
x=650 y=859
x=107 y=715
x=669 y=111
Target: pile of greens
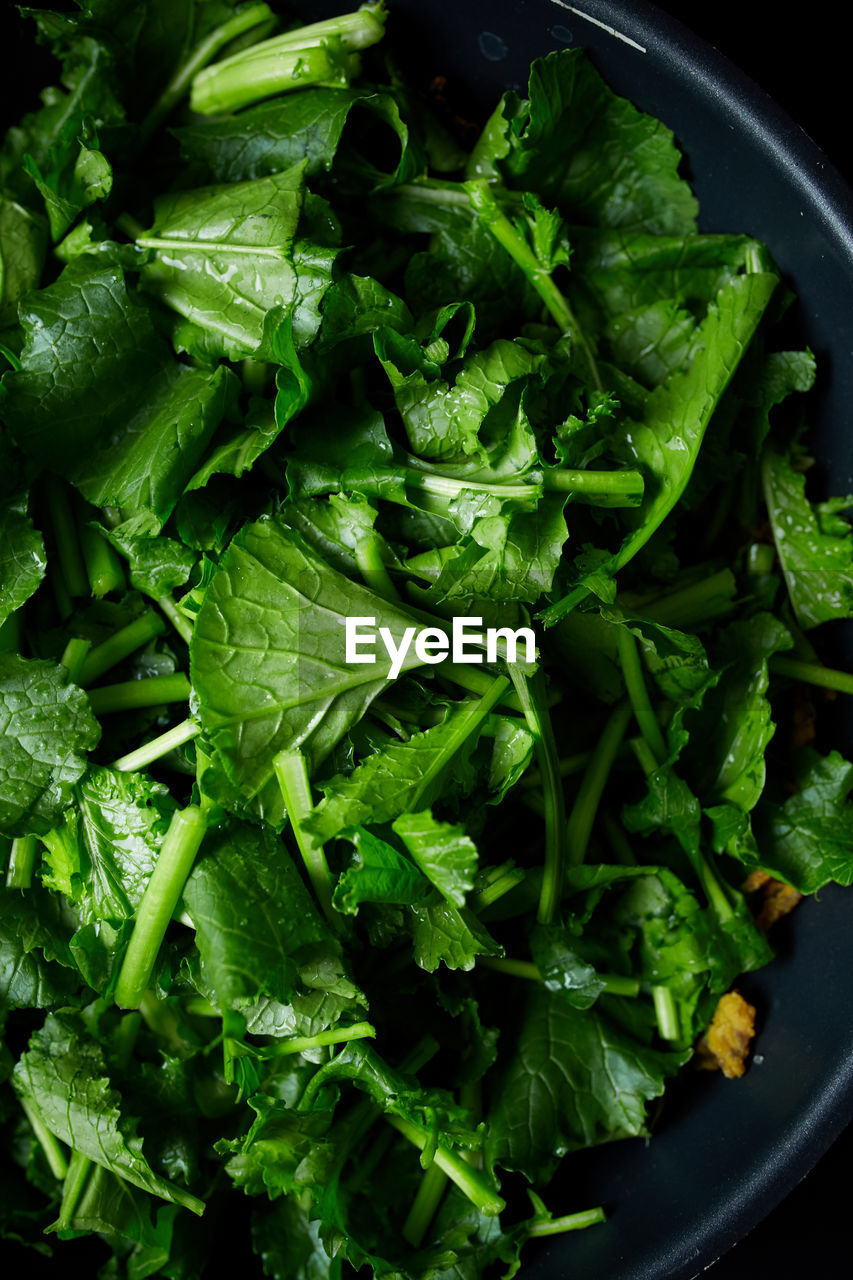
x=342 y=962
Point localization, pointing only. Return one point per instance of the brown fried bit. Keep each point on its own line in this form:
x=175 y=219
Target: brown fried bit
x=703 y=1058
x=756 y=879
x=726 y=1042
x=779 y=899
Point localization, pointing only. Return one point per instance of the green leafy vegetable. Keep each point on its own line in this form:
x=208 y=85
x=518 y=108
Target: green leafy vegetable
x=292 y=380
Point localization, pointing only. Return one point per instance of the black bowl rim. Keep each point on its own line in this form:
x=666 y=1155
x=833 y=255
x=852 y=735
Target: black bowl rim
x=828 y=200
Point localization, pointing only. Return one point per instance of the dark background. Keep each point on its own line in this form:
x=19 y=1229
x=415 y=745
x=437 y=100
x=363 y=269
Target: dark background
x=802 y=61
x=798 y=56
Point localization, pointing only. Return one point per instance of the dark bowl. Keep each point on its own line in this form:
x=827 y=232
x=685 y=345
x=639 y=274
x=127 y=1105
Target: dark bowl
x=722 y=1154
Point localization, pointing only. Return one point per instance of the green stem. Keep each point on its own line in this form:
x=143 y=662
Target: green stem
x=690 y=606
x=179 y=621
x=129 y=227
x=582 y=816
x=571 y=1222
x=714 y=891
x=470 y=718
x=121 y=646
x=509 y=878
x=615 y=984
x=157 y=747
x=50 y=1145
x=205 y=51
x=646 y=758
x=296 y=791
x=454 y=486
x=425 y=1205
x=602 y=488
x=812 y=673
x=487 y=208
x=309 y=55
x=153 y=691
x=469 y=1181
x=532 y=694
x=103 y=566
x=373 y=570
x=337 y=1035
x=666 y=1013
x=22 y=862
x=72 y=570
x=619 y=841
x=513 y=968
x=638 y=694
x=79 y=1168
x=760 y=559
x=174 y=863
x=475 y=680
x=568 y=765
x=73 y=656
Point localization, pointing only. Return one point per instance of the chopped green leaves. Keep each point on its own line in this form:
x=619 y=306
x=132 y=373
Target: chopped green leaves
x=357 y=938
x=46 y=729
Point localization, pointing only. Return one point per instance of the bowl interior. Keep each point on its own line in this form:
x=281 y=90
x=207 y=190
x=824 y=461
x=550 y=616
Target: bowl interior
x=723 y=1153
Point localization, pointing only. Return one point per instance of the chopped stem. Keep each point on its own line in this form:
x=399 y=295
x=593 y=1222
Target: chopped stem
x=532 y=694
x=612 y=488
x=337 y=1035
x=72 y=570
x=453 y=486
x=470 y=718
x=121 y=646
x=476 y=680
x=205 y=51
x=812 y=673
x=157 y=747
x=666 y=1013
x=425 y=1205
x=201 y=1008
x=714 y=891
x=487 y=208
x=129 y=227
x=619 y=842
x=632 y=671
x=571 y=1222
x=760 y=559
x=22 y=862
x=690 y=606
x=469 y=1181
x=179 y=621
x=103 y=566
x=296 y=791
x=310 y=55
x=131 y=694
x=568 y=765
x=174 y=863
x=79 y=1168
x=615 y=984
x=582 y=816
x=49 y=1143
x=124 y=1038
x=645 y=756
x=372 y=568
x=513 y=968
x=509 y=879
x=73 y=656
